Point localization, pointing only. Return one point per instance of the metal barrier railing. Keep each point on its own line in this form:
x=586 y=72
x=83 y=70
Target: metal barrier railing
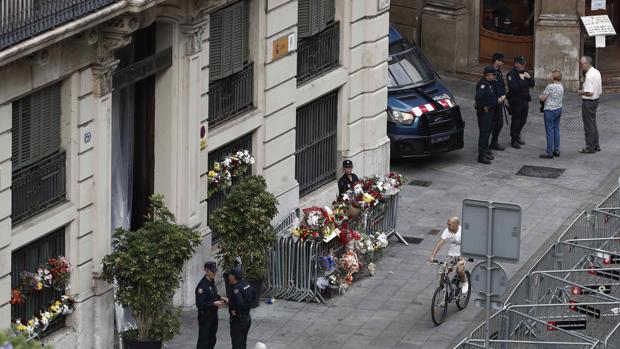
x=570 y=298
x=294 y=266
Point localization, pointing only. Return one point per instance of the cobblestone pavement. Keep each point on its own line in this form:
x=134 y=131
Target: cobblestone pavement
x=392 y=309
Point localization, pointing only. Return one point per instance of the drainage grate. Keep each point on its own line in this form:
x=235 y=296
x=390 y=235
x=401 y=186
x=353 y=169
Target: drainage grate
x=433 y=232
x=540 y=171
x=419 y=183
x=412 y=240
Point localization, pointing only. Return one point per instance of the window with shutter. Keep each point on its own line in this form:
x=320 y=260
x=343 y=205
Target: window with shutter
x=313 y=16
x=228 y=42
x=36 y=126
x=304 y=28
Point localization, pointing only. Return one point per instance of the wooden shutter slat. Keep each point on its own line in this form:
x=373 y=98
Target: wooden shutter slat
x=246 y=32
x=215 y=46
x=16 y=133
x=329 y=13
x=304 y=27
x=237 y=49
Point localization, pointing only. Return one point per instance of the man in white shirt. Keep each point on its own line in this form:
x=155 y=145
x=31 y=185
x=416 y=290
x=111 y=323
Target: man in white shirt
x=452 y=235
x=590 y=92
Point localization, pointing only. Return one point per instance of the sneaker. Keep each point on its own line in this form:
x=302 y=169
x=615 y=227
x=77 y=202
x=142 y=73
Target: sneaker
x=464 y=288
x=556 y=153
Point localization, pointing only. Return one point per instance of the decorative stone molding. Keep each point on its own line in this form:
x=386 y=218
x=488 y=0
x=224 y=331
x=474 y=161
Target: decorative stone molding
x=115 y=34
x=193 y=33
x=88 y=37
x=102 y=77
x=40 y=58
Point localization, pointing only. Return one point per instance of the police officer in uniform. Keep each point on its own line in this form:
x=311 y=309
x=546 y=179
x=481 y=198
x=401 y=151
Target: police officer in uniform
x=242 y=297
x=500 y=90
x=519 y=83
x=208 y=302
x=486 y=103
x=348 y=179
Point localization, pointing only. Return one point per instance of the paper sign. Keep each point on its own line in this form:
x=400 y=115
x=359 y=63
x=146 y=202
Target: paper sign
x=283 y=45
x=598 y=5
x=599 y=41
x=598 y=25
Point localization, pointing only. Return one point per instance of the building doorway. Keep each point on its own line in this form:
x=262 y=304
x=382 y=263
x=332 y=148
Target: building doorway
x=507 y=26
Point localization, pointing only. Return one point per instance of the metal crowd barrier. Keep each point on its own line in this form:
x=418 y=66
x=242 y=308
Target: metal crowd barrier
x=570 y=298
x=294 y=266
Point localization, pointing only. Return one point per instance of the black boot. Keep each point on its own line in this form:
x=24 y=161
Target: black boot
x=489 y=154
x=483 y=159
x=515 y=144
x=497 y=146
x=520 y=141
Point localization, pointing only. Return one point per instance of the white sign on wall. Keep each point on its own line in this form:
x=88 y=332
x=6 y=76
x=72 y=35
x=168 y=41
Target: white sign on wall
x=598 y=25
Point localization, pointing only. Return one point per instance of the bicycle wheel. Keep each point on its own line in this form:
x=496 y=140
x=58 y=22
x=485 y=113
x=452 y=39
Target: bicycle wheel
x=439 y=305
x=463 y=299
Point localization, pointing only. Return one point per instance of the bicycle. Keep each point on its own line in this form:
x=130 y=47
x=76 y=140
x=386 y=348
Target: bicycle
x=448 y=291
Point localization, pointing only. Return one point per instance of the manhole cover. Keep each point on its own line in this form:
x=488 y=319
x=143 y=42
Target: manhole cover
x=419 y=183
x=540 y=171
x=433 y=232
x=412 y=240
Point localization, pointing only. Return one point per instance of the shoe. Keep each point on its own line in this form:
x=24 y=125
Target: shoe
x=546 y=156
x=597 y=149
x=556 y=153
x=515 y=144
x=484 y=160
x=497 y=147
x=587 y=151
x=521 y=141
x=488 y=151
x=464 y=288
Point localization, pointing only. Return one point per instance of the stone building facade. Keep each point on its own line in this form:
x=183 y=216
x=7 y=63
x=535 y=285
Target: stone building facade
x=457 y=34
x=133 y=97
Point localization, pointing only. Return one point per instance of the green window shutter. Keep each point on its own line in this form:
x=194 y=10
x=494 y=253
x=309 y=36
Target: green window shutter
x=215 y=46
x=304 y=26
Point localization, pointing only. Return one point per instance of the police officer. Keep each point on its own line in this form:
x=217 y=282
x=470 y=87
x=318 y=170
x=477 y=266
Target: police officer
x=500 y=90
x=208 y=302
x=519 y=83
x=486 y=103
x=348 y=179
x=242 y=297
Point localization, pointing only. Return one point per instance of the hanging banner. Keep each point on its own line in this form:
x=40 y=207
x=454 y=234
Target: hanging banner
x=598 y=5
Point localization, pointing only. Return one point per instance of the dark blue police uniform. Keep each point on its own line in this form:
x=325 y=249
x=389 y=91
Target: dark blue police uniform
x=518 y=98
x=240 y=321
x=498 y=118
x=206 y=294
x=486 y=103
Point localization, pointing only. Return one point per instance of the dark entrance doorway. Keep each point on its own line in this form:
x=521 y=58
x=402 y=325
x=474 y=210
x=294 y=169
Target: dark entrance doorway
x=606 y=59
x=133 y=130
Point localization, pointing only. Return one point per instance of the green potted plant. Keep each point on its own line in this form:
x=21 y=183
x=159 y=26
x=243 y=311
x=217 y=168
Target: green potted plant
x=146 y=266
x=244 y=224
x=9 y=339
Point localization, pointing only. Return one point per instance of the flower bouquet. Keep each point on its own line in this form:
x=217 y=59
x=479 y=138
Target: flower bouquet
x=29 y=282
x=317 y=223
x=57 y=273
x=221 y=175
x=369 y=248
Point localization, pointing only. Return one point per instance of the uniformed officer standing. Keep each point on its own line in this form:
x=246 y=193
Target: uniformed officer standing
x=486 y=102
x=348 y=179
x=519 y=83
x=208 y=302
x=500 y=90
x=239 y=308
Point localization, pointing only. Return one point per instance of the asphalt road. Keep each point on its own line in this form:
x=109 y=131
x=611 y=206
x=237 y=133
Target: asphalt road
x=392 y=309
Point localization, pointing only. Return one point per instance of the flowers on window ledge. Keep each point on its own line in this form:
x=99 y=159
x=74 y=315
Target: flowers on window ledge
x=55 y=273
x=35 y=326
x=221 y=175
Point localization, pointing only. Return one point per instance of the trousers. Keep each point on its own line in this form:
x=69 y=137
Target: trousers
x=588 y=113
x=239 y=328
x=519 y=111
x=485 y=124
x=207 y=331
x=498 y=123
x=552 y=129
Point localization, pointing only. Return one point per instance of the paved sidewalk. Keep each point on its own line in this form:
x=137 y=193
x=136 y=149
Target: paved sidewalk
x=391 y=309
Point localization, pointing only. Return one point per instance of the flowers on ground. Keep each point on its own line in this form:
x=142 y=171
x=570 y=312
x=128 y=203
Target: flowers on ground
x=221 y=175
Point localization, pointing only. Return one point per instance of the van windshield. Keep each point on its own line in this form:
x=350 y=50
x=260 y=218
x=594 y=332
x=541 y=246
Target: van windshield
x=407 y=69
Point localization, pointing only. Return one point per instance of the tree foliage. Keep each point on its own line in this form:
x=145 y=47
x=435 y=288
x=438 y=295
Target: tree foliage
x=244 y=223
x=146 y=265
x=18 y=341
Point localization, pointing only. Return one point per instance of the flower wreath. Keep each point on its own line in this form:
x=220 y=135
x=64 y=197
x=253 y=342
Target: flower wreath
x=55 y=273
x=221 y=175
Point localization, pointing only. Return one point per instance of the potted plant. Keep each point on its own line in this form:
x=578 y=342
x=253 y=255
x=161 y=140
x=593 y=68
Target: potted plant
x=244 y=224
x=146 y=266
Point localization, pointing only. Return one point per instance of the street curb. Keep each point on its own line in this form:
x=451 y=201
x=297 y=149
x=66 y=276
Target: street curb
x=601 y=192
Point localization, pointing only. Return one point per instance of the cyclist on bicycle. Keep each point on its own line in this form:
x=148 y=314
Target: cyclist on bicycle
x=452 y=234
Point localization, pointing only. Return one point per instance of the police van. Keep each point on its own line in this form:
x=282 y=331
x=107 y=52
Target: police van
x=423 y=117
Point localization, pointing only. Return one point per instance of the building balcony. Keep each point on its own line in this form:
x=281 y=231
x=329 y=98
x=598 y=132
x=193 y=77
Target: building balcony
x=231 y=96
x=38 y=187
x=318 y=54
x=23 y=19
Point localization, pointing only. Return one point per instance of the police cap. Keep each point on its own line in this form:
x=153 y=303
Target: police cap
x=347 y=164
x=211 y=266
x=497 y=56
x=236 y=272
x=520 y=60
x=489 y=70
